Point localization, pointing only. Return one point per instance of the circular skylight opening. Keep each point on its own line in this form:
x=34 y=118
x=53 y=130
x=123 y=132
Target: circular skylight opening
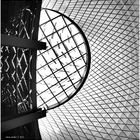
x=64 y=66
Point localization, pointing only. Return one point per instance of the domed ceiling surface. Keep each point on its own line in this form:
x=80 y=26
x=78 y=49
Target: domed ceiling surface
x=107 y=105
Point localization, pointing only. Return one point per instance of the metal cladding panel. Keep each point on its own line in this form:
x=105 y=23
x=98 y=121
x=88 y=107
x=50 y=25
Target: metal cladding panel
x=18 y=88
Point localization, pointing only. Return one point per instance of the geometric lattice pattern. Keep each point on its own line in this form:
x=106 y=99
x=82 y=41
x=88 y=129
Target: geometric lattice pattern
x=107 y=105
x=18 y=75
x=63 y=67
x=16 y=72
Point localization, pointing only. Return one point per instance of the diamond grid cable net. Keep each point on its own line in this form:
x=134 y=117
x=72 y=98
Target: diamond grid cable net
x=106 y=107
x=63 y=67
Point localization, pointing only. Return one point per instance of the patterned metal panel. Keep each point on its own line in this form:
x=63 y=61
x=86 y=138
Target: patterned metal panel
x=16 y=75
x=18 y=78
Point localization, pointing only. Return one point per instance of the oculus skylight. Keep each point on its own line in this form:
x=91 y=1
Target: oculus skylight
x=63 y=67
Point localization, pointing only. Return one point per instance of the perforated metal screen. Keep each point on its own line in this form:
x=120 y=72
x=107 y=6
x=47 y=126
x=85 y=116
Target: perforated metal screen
x=107 y=105
x=18 y=67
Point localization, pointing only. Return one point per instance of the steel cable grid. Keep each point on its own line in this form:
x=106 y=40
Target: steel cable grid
x=63 y=68
x=107 y=105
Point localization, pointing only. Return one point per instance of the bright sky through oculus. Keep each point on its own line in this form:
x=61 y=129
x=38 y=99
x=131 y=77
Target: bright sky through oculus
x=63 y=67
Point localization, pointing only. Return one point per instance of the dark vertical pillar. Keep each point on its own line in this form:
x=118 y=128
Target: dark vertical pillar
x=19 y=18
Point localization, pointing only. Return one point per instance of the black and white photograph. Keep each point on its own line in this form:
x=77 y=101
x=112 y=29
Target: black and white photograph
x=69 y=70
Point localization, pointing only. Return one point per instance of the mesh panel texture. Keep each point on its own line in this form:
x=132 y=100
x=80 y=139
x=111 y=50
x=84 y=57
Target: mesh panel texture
x=18 y=73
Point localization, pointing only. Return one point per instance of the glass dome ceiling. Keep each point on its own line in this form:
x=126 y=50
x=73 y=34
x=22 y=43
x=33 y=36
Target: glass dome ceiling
x=63 y=67
x=107 y=106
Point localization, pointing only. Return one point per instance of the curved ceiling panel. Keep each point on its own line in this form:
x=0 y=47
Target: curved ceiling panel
x=107 y=105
